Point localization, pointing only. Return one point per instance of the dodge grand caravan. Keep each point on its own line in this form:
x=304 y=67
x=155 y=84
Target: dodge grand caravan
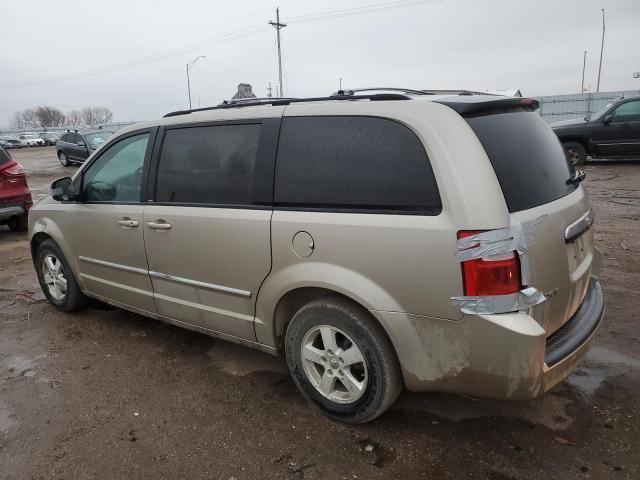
x=379 y=241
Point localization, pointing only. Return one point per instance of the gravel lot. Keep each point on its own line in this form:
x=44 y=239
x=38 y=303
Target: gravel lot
x=104 y=393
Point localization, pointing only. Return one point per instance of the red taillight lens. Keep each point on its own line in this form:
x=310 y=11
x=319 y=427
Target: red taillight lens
x=490 y=277
x=14 y=170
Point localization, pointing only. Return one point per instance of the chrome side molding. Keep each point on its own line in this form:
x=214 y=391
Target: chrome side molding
x=117 y=266
x=195 y=283
x=171 y=278
x=579 y=227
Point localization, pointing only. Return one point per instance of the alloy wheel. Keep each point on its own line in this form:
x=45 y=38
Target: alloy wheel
x=54 y=276
x=334 y=364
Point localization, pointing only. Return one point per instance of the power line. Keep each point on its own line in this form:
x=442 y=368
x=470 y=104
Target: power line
x=215 y=41
x=362 y=10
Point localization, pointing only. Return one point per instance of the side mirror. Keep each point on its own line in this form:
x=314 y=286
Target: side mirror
x=62 y=190
x=607 y=120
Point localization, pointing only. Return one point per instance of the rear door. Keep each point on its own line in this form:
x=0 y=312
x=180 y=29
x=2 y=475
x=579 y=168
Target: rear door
x=207 y=229
x=533 y=173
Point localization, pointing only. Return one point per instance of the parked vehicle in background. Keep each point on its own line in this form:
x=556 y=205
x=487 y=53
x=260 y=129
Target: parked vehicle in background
x=31 y=140
x=50 y=138
x=10 y=141
x=15 y=196
x=321 y=229
x=75 y=147
x=613 y=132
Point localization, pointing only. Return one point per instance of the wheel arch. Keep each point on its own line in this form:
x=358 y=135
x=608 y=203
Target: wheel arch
x=582 y=140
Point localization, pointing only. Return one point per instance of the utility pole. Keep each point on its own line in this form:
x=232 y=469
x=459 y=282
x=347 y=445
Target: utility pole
x=601 y=50
x=278 y=26
x=340 y=84
x=269 y=90
x=584 y=64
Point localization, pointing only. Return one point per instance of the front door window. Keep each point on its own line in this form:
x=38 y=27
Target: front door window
x=115 y=177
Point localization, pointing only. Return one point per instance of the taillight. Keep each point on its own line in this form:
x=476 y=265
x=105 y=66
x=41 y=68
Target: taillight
x=494 y=276
x=14 y=170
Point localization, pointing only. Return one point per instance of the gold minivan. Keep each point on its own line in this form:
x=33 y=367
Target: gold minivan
x=379 y=241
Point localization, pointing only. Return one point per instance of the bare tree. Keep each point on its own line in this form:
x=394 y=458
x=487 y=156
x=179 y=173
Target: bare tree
x=17 y=120
x=96 y=115
x=49 y=117
x=30 y=118
x=74 y=118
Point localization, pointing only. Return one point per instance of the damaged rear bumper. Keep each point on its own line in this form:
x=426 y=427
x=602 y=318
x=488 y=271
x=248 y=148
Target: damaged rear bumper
x=502 y=356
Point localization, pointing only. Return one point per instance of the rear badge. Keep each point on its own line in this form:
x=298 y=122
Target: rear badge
x=551 y=293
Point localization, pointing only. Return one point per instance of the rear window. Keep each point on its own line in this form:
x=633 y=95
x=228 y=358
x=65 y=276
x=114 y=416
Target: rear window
x=527 y=157
x=4 y=156
x=353 y=164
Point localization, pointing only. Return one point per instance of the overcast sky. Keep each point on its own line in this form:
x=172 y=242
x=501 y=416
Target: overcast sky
x=130 y=55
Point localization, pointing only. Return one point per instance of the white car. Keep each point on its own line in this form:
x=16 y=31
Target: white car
x=30 y=140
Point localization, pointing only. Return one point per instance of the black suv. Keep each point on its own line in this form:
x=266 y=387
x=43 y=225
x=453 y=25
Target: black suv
x=77 y=146
x=613 y=132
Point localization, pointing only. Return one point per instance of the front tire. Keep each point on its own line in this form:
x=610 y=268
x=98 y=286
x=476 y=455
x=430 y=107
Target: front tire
x=64 y=160
x=342 y=361
x=575 y=152
x=56 y=278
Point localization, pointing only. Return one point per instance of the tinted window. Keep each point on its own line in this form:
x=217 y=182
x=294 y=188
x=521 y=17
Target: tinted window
x=77 y=138
x=64 y=138
x=527 y=157
x=208 y=165
x=116 y=175
x=4 y=156
x=627 y=112
x=360 y=163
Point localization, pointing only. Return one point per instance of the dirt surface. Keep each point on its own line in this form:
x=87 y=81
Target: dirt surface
x=108 y=394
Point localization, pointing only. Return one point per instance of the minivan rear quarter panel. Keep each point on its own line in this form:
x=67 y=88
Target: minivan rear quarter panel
x=389 y=262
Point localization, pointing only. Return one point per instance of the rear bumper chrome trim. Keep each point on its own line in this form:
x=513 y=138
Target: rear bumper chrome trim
x=579 y=227
x=195 y=283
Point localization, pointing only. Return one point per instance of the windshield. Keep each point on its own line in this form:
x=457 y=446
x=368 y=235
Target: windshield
x=30 y=136
x=600 y=113
x=98 y=138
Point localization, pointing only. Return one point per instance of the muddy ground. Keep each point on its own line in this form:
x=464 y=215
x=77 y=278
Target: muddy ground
x=108 y=394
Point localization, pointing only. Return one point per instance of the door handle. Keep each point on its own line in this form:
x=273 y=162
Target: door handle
x=127 y=222
x=159 y=225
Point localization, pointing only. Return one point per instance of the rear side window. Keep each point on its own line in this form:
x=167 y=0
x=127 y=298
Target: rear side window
x=353 y=163
x=208 y=165
x=527 y=157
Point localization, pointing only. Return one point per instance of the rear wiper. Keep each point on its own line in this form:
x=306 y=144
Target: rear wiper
x=577 y=177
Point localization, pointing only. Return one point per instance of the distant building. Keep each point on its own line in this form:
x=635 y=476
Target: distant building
x=244 y=91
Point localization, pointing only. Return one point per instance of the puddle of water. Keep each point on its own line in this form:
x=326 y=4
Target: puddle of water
x=603 y=355
x=599 y=364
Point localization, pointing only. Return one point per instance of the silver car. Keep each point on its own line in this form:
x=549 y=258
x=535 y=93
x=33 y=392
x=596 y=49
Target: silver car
x=379 y=241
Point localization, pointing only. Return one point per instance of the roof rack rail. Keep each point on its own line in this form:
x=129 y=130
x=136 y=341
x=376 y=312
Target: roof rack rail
x=234 y=101
x=275 y=101
x=456 y=92
x=353 y=91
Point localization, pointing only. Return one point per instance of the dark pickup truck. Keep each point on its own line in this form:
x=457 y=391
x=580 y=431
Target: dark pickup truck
x=613 y=132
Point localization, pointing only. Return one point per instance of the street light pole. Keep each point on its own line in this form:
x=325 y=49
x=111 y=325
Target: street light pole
x=189 y=65
x=601 y=50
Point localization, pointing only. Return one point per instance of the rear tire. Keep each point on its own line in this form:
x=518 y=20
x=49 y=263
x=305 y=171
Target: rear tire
x=342 y=361
x=56 y=278
x=64 y=160
x=18 y=224
x=575 y=152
